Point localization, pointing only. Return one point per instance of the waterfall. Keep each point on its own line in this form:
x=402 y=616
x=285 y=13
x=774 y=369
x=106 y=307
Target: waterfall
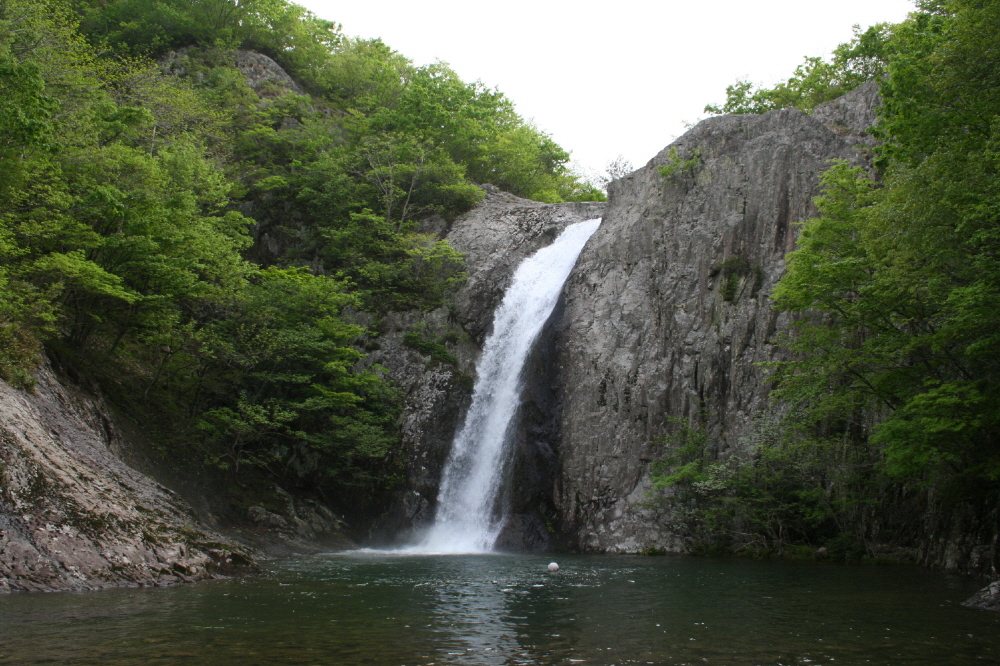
x=466 y=518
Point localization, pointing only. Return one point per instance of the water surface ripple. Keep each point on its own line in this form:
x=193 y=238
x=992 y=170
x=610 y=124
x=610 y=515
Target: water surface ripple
x=381 y=608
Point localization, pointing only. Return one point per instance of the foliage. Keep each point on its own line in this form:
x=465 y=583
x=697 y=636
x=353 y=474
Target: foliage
x=617 y=168
x=128 y=188
x=731 y=272
x=676 y=165
x=286 y=392
x=817 y=80
x=437 y=351
x=770 y=497
x=287 y=32
x=897 y=281
x=424 y=120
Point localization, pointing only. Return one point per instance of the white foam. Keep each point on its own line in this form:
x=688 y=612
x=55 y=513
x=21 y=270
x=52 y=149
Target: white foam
x=467 y=516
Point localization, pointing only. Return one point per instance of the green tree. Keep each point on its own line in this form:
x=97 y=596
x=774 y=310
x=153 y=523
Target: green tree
x=817 y=80
x=286 y=395
x=903 y=270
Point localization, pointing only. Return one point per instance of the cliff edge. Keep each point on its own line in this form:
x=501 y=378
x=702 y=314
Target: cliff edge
x=668 y=313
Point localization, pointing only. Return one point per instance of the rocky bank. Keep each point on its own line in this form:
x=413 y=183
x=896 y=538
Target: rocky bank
x=74 y=516
x=82 y=506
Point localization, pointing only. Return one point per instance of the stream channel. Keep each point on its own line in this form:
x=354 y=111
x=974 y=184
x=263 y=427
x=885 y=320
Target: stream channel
x=369 y=607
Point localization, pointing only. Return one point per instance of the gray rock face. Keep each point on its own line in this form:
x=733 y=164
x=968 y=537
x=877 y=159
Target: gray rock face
x=987 y=598
x=495 y=237
x=667 y=312
x=73 y=516
x=850 y=115
x=261 y=70
x=263 y=74
x=299 y=527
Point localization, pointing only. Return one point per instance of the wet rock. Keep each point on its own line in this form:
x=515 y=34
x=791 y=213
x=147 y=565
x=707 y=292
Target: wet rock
x=987 y=598
x=294 y=525
x=495 y=238
x=264 y=518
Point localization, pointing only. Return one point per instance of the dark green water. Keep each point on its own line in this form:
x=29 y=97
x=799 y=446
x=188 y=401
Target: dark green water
x=369 y=608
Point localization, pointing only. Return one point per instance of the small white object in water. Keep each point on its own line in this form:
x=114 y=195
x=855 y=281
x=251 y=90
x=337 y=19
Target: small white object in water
x=553 y=566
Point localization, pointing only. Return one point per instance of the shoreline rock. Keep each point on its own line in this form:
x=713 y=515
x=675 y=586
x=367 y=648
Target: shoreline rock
x=73 y=516
x=987 y=598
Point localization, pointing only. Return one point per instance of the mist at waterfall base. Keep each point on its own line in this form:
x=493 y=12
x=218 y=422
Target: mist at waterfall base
x=468 y=518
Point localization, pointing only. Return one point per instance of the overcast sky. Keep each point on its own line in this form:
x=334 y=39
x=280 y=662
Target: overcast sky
x=611 y=78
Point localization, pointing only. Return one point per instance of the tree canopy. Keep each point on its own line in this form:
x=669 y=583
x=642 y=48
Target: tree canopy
x=903 y=266
x=136 y=158
x=890 y=405
x=817 y=80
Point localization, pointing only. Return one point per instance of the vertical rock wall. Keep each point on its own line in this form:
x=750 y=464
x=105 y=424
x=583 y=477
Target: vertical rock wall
x=667 y=313
x=495 y=238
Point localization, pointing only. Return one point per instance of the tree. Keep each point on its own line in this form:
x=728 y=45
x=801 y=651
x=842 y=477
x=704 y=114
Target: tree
x=904 y=269
x=817 y=80
x=286 y=394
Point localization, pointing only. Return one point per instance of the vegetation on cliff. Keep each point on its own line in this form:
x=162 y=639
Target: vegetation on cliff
x=891 y=409
x=136 y=160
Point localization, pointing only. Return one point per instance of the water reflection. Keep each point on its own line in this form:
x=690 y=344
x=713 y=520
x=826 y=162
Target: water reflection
x=472 y=608
x=371 y=608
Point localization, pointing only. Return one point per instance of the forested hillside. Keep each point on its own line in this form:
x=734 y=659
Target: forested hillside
x=199 y=231
x=889 y=426
x=137 y=161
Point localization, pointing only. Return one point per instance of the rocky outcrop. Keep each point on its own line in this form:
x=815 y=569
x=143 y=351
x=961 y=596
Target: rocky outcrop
x=495 y=237
x=73 y=516
x=292 y=525
x=261 y=71
x=667 y=312
x=264 y=76
x=987 y=598
x=851 y=115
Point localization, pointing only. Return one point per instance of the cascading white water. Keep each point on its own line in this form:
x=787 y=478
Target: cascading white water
x=465 y=521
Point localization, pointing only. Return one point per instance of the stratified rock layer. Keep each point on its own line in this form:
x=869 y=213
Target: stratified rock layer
x=668 y=314
x=73 y=516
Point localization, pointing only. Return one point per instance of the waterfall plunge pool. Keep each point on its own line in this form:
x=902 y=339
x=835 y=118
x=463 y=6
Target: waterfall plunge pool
x=368 y=607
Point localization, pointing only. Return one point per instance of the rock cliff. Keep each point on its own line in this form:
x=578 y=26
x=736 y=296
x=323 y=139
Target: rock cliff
x=495 y=237
x=667 y=312
x=668 y=316
x=74 y=516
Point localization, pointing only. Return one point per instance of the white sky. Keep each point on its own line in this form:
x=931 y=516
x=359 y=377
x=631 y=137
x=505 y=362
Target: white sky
x=611 y=78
